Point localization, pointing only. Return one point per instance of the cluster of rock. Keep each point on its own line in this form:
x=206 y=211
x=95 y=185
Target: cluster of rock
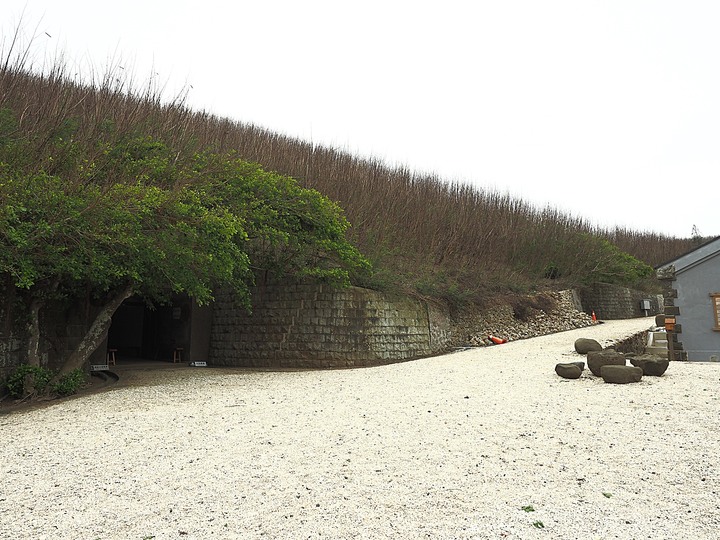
x=611 y=365
x=503 y=322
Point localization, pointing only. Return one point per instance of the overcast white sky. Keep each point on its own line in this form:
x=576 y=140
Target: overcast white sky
x=609 y=110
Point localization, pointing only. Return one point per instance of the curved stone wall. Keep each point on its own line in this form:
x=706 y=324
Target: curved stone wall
x=300 y=325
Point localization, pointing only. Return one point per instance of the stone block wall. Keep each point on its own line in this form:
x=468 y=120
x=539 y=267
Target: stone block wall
x=676 y=347
x=63 y=325
x=296 y=325
x=11 y=338
x=634 y=344
x=302 y=325
x=614 y=302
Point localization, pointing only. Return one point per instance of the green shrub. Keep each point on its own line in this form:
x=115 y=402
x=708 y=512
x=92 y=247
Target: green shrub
x=69 y=383
x=604 y=262
x=27 y=377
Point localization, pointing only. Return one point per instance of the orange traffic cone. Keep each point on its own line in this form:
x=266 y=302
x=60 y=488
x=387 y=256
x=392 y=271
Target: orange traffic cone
x=594 y=318
x=497 y=340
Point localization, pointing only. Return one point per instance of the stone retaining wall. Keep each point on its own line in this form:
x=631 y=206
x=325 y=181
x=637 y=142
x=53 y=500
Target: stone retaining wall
x=562 y=311
x=11 y=339
x=634 y=344
x=63 y=325
x=295 y=325
x=613 y=302
x=300 y=325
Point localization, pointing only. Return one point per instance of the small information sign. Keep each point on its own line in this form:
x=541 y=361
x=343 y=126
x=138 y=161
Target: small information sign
x=99 y=367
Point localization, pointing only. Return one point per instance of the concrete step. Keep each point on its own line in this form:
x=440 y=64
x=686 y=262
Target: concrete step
x=657 y=343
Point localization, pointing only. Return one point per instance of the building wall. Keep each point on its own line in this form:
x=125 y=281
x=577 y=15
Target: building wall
x=695 y=309
x=300 y=325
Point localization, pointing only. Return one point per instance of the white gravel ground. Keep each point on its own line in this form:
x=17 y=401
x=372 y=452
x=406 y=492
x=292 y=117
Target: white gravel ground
x=457 y=446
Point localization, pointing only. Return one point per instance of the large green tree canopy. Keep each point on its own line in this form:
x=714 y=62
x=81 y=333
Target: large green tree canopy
x=123 y=215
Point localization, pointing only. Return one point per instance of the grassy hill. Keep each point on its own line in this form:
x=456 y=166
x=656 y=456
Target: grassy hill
x=424 y=236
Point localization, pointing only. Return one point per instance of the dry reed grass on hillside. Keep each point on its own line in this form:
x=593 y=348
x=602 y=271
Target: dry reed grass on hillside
x=422 y=232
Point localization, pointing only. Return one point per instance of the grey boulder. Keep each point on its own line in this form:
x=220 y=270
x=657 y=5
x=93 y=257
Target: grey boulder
x=652 y=365
x=597 y=359
x=621 y=374
x=585 y=345
x=568 y=371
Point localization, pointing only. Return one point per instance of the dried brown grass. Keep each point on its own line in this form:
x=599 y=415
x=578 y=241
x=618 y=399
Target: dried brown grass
x=423 y=233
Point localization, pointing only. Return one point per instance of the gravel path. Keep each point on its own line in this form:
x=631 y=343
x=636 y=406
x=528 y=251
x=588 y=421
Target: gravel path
x=457 y=446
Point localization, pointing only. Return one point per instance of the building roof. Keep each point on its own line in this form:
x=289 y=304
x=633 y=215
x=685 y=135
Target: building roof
x=699 y=255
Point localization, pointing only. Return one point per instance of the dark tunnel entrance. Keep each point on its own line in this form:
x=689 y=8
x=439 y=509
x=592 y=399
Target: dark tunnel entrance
x=157 y=333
